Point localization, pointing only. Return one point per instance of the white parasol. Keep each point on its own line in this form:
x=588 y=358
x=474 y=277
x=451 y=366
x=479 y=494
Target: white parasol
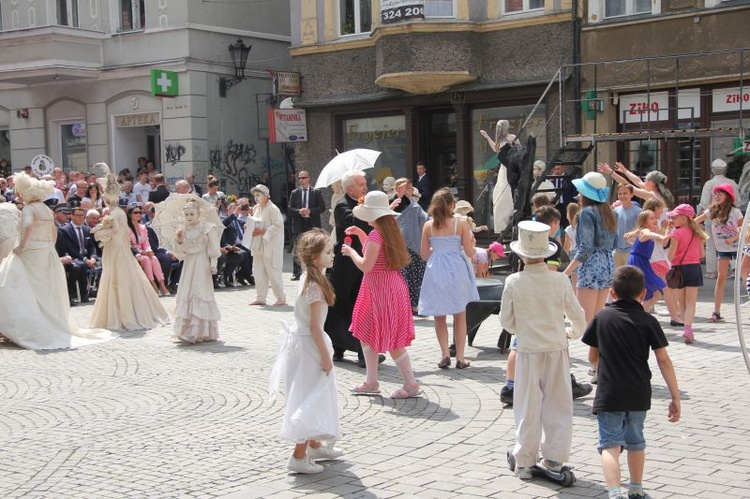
x=354 y=159
x=169 y=217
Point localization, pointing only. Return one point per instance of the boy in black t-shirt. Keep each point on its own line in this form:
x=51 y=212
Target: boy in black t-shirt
x=619 y=338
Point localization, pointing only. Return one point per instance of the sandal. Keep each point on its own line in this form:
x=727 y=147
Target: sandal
x=366 y=389
x=715 y=317
x=445 y=363
x=405 y=393
x=462 y=364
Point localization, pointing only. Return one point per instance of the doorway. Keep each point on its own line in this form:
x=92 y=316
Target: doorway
x=130 y=143
x=437 y=148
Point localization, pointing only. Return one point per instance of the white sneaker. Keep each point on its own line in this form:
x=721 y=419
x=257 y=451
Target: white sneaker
x=305 y=465
x=324 y=453
x=594 y=373
x=524 y=473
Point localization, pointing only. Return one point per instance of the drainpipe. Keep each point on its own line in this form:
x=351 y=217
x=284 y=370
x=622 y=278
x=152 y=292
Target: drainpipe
x=576 y=61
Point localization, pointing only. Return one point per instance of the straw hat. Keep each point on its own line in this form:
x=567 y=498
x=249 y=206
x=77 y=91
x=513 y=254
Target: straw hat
x=463 y=208
x=375 y=206
x=533 y=240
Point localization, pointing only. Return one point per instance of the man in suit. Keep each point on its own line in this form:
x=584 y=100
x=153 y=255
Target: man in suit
x=161 y=192
x=345 y=277
x=565 y=191
x=238 y=256
x=305 y=206
x=77 y=253
x=423 y=186
x=190 y=179
x=62 y=214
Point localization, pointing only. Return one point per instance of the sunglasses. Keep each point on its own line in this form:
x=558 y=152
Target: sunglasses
x=137 y=212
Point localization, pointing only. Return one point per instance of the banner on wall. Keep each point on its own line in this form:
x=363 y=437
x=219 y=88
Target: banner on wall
x=287 y=125
x=395 y=11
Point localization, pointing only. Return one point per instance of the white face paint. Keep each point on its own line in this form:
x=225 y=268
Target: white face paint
x=260 y=198
x=325 y=259
x=191 y=215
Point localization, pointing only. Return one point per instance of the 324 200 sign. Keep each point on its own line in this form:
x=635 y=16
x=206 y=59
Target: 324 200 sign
x=400 y=11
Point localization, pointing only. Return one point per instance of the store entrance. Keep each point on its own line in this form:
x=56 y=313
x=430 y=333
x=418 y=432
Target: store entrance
x=437 y=148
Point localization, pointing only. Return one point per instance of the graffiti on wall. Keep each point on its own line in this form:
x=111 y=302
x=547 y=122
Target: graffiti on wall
x=174 y=152
x=233 y=164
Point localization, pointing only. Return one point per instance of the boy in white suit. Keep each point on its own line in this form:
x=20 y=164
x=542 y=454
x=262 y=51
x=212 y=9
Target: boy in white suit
x=543 y=402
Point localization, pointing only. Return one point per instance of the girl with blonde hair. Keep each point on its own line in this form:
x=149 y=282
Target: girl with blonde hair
x=304 y=364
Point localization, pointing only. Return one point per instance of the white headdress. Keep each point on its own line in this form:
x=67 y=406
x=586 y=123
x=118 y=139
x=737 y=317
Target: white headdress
x=109 y=185
x=32 y=189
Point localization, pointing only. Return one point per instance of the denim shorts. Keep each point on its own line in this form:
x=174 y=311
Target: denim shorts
x=621 y=429
x=726 y=255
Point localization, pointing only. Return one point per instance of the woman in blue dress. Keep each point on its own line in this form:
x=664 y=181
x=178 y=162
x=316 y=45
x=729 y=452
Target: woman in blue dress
x=448 y=284
x=645 y=235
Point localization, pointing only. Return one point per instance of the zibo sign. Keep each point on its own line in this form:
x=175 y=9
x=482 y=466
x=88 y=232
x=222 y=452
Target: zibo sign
x=164 y=83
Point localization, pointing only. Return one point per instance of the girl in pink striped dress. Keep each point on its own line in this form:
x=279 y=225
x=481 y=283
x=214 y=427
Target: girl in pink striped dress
x=382 y=319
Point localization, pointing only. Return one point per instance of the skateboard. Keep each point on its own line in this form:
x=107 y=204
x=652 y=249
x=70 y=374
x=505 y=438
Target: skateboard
x=565 y=477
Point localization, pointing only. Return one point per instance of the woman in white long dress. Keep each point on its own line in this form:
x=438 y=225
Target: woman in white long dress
x=33 y=291
x=197 y=315
x=267 y=248
x=125 y=300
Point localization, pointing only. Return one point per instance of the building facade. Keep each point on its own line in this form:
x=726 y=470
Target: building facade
x=418 y=80
x=672 y=81
x=80 y=82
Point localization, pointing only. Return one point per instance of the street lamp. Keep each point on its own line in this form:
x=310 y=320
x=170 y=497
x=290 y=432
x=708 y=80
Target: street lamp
x=239 y=52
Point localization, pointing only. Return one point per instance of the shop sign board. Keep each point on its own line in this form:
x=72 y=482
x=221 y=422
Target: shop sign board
x=42 y=165
x=730 y=99
x=395 y=11
x=287 y=125
x=164 y=83
x=644 y=107
x=287 y=83
x=133 y=120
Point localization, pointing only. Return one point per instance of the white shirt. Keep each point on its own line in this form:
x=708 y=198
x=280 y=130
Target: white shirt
x=539 y=318
x=142 y=190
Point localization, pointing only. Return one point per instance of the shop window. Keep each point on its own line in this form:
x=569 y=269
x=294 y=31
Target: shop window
x=620 y=8
x=132 y=15
x=439 y=8
x=73 y=146
x=386 y=134
x=642 y=156
x=689 y=183
x=484 y=162
x=355 y=17
x=67 y=13
x=517 y=6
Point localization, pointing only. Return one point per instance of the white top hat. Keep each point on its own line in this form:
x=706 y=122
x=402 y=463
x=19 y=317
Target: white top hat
x=533 y=240
x=375 y=206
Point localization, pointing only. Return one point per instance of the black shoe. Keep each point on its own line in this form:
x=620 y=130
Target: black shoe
x=580 y=389
x=295 y=278
x=506 y=395
x=338 y=356
x=251 y=280
x=85 y=300
x=674 y=323
x=452 y=350
x=381 y=358
x=73 y=302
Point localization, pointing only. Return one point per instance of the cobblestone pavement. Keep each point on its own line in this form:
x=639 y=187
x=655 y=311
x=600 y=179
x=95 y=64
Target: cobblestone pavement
x=141 y=416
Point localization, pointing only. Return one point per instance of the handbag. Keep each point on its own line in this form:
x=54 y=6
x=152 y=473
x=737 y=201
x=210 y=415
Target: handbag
x=674 y=276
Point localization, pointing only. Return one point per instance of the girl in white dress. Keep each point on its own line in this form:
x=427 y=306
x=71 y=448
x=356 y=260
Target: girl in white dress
x=197 y=315
x=305 y=363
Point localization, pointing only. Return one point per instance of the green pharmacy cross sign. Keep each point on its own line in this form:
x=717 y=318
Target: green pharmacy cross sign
x=164 y=83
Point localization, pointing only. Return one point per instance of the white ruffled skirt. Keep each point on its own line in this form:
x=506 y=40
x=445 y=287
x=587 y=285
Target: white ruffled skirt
x=312 y=408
